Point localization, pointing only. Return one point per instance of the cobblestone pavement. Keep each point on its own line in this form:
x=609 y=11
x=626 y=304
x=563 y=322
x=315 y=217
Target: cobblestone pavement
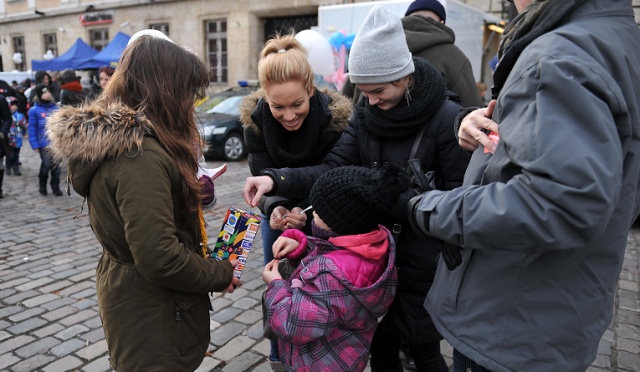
x=48 y=310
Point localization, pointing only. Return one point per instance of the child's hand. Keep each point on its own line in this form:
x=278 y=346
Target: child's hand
x=283 y=246
x=270 y=272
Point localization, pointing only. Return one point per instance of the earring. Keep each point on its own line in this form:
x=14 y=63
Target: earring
x=407 y=96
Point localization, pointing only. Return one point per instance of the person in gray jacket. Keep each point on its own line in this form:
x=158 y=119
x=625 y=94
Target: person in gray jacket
x=549 y=196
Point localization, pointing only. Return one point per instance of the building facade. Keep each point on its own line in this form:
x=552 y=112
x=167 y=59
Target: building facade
x=228 y=34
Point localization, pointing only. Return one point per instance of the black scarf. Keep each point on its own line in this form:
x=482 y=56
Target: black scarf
x=293 y=149
x=540 y=17
x=403 y=120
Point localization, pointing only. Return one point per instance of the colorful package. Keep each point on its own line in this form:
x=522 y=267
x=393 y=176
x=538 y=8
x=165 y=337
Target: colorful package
x=236 y=237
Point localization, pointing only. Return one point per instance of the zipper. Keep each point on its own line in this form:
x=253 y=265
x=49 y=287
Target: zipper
x=179 y=323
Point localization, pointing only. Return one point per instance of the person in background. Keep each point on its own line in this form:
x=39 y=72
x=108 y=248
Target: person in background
x=288 y=123
x=39 y=139
x=133 y=154
x=347 y=273
x=406 y=119
x=103 y=74
x=428 y=37
x=72 y=92
x=43 y=77
x=549 y=197
x=6 y=119
x=18 y=127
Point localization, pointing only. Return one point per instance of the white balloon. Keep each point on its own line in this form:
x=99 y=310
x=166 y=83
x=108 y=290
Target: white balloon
x=319 y=51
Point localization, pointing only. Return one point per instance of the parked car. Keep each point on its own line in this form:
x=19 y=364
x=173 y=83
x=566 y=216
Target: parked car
x=221 y=129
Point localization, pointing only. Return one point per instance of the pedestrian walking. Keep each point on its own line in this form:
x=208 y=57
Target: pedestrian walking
x=42 y=108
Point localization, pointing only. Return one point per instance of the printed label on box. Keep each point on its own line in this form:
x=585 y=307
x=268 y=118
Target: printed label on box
x=236 y=237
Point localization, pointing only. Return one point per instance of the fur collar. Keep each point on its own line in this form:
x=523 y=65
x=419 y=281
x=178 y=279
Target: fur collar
x=340 y=107
x=92 y=132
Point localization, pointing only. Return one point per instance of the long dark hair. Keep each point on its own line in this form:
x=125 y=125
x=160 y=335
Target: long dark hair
x=161 y=80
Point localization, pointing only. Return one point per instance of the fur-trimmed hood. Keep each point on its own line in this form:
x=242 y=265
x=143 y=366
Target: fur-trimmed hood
x=340 y=107
x=85 y=136
x=92 y=133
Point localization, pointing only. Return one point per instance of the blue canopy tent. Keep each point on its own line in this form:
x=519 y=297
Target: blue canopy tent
x=79 y=51
x=109 y=56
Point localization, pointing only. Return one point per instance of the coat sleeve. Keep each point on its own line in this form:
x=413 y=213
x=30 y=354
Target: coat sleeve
x=33 y=129
x=560 y=158
x=158 y=254
x=296 y=183
x=303 y=314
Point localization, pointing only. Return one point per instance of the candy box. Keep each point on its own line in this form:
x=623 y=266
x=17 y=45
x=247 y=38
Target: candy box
x=236 y=237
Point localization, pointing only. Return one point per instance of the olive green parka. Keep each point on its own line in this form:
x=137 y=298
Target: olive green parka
x=152 y=283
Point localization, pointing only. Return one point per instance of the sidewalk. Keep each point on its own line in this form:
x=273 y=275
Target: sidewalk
x=48 y=308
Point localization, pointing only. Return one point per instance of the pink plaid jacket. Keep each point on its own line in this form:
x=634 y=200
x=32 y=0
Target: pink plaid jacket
x=325 y=316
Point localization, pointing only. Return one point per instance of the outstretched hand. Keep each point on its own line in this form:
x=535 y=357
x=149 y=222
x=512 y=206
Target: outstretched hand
x=471 y=134
x=255 y=187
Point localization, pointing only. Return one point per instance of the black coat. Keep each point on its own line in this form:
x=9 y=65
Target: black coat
x=416 y=256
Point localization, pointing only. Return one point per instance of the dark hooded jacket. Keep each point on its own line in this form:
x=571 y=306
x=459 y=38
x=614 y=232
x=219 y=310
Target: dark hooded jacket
x=434 y=41
x=152 y=282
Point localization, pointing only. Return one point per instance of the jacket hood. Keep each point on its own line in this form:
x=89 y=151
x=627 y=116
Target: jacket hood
x=340 y=108
x=423 y=33
x=371 y=282
x=87 y=135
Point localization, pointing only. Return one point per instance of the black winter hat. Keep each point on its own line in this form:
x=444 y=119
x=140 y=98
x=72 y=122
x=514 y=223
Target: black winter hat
x=432 y=5
x=39 y=89
x=354 y=200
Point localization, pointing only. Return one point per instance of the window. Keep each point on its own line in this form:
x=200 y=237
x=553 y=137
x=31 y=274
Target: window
x=18 y=47
x=50 y=43
x=217 y=50
x=162 y=27
x=99 y=38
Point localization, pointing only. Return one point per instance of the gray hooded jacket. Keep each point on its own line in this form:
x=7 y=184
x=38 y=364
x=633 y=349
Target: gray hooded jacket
x=543 y=222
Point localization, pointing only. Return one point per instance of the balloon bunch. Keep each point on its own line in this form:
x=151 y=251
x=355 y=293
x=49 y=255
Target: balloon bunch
x=341 y=43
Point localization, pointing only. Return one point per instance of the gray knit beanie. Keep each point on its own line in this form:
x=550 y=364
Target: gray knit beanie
x=379 y=53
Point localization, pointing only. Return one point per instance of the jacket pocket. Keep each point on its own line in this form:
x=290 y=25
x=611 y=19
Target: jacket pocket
x=191 y=315
x=456 y=278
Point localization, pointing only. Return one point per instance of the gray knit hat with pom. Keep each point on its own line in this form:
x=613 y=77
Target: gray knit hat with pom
x=379 y=53
x=354 y=200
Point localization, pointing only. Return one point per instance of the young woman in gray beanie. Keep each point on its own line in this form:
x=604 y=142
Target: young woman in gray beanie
x=288 y=123
x=406 y=118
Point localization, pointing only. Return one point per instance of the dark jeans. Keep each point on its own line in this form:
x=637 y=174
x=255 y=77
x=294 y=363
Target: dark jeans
x=268 y=237
x=48 y=166
x=385 y=353
x=463 y=364
x=13 y=161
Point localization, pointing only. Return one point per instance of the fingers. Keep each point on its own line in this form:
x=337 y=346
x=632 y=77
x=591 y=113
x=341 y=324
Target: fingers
x=234 y=263
x=235 y=283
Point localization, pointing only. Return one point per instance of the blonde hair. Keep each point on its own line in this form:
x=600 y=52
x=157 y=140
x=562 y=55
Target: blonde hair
x=284 y=59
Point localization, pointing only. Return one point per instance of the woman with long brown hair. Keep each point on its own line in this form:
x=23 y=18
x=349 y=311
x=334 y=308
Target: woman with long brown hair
x=132 y=156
